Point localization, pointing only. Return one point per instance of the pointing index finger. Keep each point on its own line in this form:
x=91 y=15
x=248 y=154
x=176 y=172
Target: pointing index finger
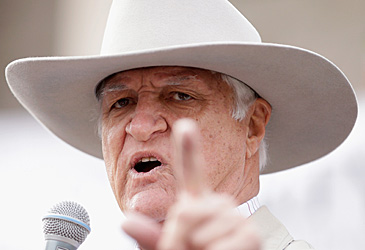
x=189 y=158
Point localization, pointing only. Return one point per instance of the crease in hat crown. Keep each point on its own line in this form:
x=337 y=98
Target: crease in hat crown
x=144 y=25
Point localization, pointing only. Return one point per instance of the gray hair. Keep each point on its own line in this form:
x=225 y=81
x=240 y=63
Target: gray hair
x=244 y=97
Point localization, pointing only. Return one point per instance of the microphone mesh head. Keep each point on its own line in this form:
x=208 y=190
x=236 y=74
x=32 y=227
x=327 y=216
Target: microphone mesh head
x=67 y=229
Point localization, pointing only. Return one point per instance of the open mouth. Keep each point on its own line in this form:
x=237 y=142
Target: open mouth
x=146 y=164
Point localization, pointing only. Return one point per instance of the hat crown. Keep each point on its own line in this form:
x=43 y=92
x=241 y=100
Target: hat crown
x=135 y=25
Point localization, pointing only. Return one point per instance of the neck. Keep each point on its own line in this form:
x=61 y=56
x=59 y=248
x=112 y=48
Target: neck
x=251 y=181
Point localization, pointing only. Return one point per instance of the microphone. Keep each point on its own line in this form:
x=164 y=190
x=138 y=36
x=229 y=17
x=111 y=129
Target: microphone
x=66 y=226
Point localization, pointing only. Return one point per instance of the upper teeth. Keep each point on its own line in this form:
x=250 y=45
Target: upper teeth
x=146 y=159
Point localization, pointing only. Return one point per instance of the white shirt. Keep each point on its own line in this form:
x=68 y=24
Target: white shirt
x=249 y=207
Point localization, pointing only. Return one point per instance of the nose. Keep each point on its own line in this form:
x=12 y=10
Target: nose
x=146 y=122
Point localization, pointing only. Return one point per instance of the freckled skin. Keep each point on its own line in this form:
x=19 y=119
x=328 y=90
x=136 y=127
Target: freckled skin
x=144 y=125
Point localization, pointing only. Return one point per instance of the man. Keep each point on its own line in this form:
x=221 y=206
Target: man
x=180 y=179
x=140 y=108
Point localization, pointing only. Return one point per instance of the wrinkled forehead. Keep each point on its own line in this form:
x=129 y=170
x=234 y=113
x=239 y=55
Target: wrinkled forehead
x=176 y=74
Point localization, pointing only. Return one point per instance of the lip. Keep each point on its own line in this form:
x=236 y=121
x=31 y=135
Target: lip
x=150 y=173
x=136 y=157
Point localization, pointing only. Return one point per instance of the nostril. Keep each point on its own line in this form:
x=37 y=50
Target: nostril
x=143 y=167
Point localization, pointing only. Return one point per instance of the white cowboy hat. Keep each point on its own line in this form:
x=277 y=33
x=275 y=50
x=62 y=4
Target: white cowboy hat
x=314 y=106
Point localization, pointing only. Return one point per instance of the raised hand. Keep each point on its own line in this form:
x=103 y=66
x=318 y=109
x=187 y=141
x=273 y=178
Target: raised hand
x=200 y=219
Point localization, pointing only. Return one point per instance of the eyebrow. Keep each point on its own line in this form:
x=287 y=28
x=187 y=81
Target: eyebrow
x=102 y=88
x=114 y=87
x=171 y=80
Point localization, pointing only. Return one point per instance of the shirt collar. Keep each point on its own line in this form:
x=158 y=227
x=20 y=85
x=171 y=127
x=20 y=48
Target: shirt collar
x=249 y=207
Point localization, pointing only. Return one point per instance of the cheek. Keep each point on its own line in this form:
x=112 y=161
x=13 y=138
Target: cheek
x=224 y=151
x=112 y=145
x=113 y=135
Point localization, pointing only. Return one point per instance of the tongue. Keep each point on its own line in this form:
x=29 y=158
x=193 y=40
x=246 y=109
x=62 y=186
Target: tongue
x=146 y=166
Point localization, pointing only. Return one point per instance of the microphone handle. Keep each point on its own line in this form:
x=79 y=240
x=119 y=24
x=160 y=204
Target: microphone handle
x=59 y=245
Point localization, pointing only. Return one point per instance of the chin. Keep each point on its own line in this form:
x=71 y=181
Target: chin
x=152 y=204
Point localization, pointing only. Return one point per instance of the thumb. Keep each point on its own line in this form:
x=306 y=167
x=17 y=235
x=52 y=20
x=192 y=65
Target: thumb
x=143 y=229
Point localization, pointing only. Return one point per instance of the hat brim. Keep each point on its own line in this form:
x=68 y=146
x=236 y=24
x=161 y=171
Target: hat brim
x=314 y=106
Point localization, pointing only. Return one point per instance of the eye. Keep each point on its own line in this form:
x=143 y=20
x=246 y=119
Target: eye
x=179 y=96
x=121 y=103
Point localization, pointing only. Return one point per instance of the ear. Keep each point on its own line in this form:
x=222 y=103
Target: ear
x=259 y=115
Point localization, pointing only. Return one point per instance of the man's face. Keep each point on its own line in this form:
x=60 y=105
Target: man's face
x=139 y=109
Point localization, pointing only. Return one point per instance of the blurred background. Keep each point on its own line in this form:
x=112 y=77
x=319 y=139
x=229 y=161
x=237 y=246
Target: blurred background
x=322 y=202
